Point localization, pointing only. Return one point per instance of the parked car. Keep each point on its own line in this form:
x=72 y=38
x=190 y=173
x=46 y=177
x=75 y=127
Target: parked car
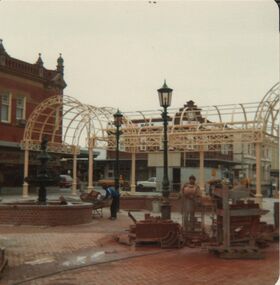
x=66 y=181
x=147 y=185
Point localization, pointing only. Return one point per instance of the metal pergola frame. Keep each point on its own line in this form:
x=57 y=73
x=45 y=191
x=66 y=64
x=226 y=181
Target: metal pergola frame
x=67 y=122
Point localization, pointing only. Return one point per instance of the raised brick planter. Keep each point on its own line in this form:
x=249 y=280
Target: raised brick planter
x=145 y=203
x=49 y=215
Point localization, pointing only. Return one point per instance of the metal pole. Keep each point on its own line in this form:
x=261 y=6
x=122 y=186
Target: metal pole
x=258 y=171
x=90 y=165
x=74 y=184
x=201 y=170
x=133 y=168
x=117 y=168
x=25 y=174
x=226 y=217
x=165 y=182
x=165 y=207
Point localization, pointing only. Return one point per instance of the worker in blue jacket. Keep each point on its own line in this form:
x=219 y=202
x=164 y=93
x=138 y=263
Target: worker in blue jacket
x=111 y=193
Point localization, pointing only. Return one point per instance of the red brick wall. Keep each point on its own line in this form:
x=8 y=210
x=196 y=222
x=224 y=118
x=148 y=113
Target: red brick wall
x=49 y=215
x=34 y=92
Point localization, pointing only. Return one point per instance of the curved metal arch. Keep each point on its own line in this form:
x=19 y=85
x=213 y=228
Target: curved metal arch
x=236 y=111
x=206 y=114
x=223 y=124
x=75 y=106
x=37 y=112
x=272 y=113
x=96 y=115
x=57 y=100
x=74 y=118
x=91 y=121
x=275 y=121
x=265 y=98
x=49 y=116
x=78 y=132
x=268 y=108
x=219 y=113
x=182 y=115
x=44 y=125
x=58 y=123
x=233 y=112
x=102 y=122
x=245 y=115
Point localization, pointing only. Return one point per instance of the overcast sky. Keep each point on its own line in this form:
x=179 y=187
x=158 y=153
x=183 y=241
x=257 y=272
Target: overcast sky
x=118 y=53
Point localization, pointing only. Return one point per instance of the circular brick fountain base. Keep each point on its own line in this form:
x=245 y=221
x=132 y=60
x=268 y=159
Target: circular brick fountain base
x=52 y=214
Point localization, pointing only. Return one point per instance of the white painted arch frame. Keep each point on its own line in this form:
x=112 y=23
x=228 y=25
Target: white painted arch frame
x=65 y=122
x=98 y=123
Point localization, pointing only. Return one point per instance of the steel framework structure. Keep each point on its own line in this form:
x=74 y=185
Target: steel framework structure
x=68 y=124
x=71 y=125
x=229 y=124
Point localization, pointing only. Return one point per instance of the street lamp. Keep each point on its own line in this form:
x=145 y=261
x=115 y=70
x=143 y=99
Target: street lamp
x=165 y=96
x=118 y=116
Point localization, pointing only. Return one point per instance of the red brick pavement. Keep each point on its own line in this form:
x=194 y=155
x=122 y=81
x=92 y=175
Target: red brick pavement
x=185 y=266
x=178 y=267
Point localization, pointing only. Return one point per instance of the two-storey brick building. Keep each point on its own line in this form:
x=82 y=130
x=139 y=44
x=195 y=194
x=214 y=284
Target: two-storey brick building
x=23 y=86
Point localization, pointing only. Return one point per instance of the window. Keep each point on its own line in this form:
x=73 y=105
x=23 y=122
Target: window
x=5 y=107
x=20 y=108
x=224 y=149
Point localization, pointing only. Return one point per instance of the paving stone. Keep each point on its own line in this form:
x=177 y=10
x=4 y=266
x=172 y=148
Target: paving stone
x=39 y=251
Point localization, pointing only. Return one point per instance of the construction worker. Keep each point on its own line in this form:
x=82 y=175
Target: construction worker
x=111 y=193
x=191 y=194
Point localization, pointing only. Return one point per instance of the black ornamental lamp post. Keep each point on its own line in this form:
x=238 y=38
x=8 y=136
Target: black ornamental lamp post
x=118 y=116
x=165 y=96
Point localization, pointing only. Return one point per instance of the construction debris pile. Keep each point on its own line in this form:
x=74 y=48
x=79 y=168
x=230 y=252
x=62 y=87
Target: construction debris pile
x=237 y=226
x=235 y=231
x=155 y=230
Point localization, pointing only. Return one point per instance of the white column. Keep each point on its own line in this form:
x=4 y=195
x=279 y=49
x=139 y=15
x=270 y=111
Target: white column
x=90 y=165
x=201 y=170
x=133 y=170
x=74 y=184
x=258 y=171
x=25 y=174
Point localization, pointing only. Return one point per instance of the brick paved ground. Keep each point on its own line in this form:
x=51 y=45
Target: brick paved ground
x=49 y=255
x=185 y=266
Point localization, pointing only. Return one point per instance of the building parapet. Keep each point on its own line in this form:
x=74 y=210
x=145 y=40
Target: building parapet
x=35 y=71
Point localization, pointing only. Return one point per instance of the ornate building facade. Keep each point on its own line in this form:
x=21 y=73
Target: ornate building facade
x=23 y=86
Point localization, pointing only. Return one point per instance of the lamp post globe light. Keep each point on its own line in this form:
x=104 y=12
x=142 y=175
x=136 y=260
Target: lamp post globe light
x=165 y=96
x=118 y=116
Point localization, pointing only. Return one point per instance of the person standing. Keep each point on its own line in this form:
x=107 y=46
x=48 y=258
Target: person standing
x=114 y=195
x=191 y=194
